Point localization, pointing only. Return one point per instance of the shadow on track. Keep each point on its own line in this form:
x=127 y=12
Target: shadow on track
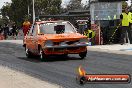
x=35 y=59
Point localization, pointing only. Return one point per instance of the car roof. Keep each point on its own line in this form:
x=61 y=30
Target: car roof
x=41 y=22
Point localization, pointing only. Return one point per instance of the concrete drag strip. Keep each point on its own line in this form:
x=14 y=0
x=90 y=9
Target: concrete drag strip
x=13 y=79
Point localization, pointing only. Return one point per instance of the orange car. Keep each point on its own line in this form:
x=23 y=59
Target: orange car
x=54 y=38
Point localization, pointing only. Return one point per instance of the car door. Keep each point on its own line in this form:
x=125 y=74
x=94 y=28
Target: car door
x=28 y=38
x=35 y=38
x=31 y=39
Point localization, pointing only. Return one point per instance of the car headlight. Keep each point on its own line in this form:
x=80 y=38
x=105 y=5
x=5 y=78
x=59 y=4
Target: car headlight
x=83 y=40
x=49 y=43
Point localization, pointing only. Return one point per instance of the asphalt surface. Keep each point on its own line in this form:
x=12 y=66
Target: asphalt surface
x=63 y=70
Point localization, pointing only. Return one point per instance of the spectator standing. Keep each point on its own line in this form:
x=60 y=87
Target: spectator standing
x=125 y=26
x=14 y=31
x=26 y=27
x=130 y=19
x=1 y=29
x=6 y=31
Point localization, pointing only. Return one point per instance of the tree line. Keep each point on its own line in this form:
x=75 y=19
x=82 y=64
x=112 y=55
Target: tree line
x=18 y=10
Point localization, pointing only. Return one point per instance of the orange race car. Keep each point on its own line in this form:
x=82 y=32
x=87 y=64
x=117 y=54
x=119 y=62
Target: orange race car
x=54 y=38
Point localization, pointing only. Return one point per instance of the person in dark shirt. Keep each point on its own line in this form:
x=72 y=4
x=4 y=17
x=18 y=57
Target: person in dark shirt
x=1 y=29
x=6 y=31
x=125 y=26
x=14 y=31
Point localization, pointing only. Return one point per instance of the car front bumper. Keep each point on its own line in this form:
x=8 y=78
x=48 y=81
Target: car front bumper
x=66 y=49
x=67 y=46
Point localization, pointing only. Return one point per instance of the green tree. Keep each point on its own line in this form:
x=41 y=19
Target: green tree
x=48 y=7
x=5 y=12
x=18 y=9
x=74 y=4
x=86 y=5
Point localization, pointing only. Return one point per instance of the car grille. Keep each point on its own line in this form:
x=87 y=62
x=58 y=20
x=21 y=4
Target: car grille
x=67 y=42
x=71 y=42
x=63 y=49
x=73 y=48
x=59 y=49
x=56 y=49
x=56 y=43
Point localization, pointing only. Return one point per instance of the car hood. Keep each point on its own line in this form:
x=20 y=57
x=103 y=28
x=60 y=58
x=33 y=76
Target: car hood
x=61 y=37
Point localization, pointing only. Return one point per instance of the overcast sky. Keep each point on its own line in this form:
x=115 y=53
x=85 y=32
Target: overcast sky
x=64 y=1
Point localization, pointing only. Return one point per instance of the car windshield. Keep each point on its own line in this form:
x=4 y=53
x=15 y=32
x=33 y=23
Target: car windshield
x=56 y=28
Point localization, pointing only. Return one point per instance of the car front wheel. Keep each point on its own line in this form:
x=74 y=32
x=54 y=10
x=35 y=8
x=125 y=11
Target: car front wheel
x=83 y=54
x=42 y=56
x=28 y=53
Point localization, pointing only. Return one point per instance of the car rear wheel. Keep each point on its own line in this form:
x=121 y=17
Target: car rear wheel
x=42 y=56
x=83 y=54
x=28 y=53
